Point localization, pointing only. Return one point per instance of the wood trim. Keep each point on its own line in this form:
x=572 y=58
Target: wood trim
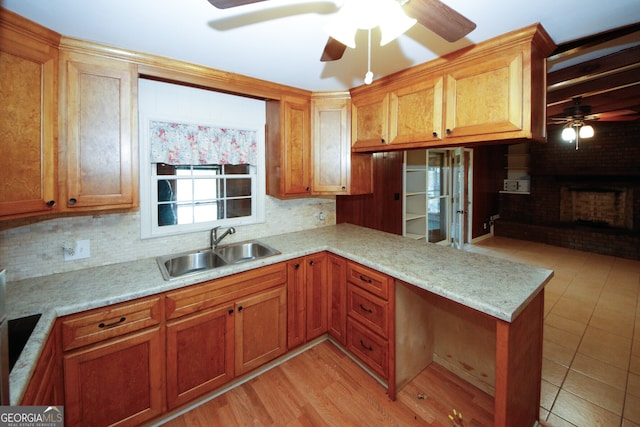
x=164 y=68
x=519 y=366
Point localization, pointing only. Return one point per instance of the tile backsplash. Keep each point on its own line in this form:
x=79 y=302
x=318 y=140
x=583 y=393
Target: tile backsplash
x=36 y=249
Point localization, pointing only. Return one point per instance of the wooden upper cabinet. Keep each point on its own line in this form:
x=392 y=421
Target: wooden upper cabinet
x=288 y=147
x=28 y=117
x=335 y=169
x=370 y=119
x=493 y=91
x=486 y=98
x=99 y=150
x=416 y=112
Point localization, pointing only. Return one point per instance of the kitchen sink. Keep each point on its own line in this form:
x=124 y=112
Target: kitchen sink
x=187 y=263
x=178 y=265
x=236 y=253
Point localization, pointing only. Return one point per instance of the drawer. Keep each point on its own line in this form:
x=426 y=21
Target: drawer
x=220 y=291
x=369 y=309
x=97 y=325
x=373 y=281
x=371 y=349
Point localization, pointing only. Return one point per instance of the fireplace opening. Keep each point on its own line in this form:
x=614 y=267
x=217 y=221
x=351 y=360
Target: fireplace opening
x=601 y=206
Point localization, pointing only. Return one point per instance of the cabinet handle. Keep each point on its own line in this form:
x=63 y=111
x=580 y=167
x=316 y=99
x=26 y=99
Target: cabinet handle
x=311 y=262
x=344 y=188
x=368 y=310
x=307 y=189
x=230 y=311
x=448 y=131
x=367 y=347
x=240 y=308
x=435 y=134
x=51 y=203
x=365 y=279
x=109 y=325
x=296 y=266
x=382 y=140
x=72 y=201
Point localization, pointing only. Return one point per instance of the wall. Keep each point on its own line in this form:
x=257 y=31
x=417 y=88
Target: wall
x=611 y=156
x=36 y=249
x=381 y=210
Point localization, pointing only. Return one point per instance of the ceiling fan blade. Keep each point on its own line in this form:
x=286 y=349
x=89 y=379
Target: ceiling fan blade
x=227 y=4
x=439 y=18
x=618 y=116
x=333 y=50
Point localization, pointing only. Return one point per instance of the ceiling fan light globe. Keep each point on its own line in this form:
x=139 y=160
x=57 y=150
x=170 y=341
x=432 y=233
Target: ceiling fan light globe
x=395 y=24
x=568 y=134
x=586 y=131
x=342 y=30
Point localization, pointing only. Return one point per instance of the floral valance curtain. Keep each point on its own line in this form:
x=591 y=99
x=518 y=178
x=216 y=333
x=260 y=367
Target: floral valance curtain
x=188 y=144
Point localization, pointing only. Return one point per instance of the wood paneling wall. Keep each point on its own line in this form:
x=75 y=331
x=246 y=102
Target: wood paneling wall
x=381 y=210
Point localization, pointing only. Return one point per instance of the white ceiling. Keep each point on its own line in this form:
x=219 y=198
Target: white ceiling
x=282 y=40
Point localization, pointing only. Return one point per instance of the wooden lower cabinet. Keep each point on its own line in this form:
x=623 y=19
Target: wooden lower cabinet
x=200 y=354
x=307 y=303
x=46 y=387
x=260 y=329
x=116 y=382
x=337 y=298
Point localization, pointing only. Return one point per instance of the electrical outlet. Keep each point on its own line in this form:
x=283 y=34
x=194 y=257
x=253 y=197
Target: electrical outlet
x=80 y=251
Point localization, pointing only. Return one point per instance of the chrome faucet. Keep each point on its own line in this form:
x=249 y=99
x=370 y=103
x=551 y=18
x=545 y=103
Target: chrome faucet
x=214 y=236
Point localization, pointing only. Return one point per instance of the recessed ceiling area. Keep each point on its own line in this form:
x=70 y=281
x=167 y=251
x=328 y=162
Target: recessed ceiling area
x=282 y=40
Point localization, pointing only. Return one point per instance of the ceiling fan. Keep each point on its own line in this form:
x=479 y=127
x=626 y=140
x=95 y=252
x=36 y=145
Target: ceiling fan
x=582 y=113
x=432 y=14
x=576 y=119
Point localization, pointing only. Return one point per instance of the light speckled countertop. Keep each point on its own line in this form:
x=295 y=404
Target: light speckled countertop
x=493 y=286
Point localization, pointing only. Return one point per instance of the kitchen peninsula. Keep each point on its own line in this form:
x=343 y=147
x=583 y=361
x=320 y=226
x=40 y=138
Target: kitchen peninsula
x=441 y=299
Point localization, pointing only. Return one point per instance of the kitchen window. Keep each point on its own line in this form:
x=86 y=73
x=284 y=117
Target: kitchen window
x=200 y=176
x=202 y=159
x=200 y=193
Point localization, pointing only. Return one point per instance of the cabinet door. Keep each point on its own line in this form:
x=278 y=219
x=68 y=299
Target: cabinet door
x=486 y=97
x=416 y=112
x=46 y=386
x=99 y=160
x=316 y=284
x=260 y=329
x=117 y=382
x=28 y=118
x=288 y=148
x=296 y=303
x=331 y=145
x=370 y=120
x=199 y=354
x=337 y=298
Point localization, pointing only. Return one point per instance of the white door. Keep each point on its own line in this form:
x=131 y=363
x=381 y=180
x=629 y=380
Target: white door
x=461 y=200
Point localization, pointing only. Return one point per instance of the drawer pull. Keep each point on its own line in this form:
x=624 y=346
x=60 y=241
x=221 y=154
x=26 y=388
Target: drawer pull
x=109 y=325
x=367 y=347
x=368 y=310
x=365 y=279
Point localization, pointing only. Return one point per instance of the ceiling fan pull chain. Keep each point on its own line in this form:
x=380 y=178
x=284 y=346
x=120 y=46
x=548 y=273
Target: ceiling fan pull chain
x=368 y=78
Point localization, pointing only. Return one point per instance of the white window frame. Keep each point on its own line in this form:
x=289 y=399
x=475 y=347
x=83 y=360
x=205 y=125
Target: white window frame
x=149 y=187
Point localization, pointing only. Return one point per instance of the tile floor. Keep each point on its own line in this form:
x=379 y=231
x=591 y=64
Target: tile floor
x=591 y=364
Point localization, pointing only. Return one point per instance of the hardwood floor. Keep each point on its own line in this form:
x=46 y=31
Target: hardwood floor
x=324 y=387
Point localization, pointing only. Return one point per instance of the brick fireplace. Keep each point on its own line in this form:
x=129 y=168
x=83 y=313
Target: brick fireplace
x=587 y=199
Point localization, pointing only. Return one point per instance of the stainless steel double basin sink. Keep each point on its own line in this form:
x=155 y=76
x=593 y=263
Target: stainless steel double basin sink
x=187 y=263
